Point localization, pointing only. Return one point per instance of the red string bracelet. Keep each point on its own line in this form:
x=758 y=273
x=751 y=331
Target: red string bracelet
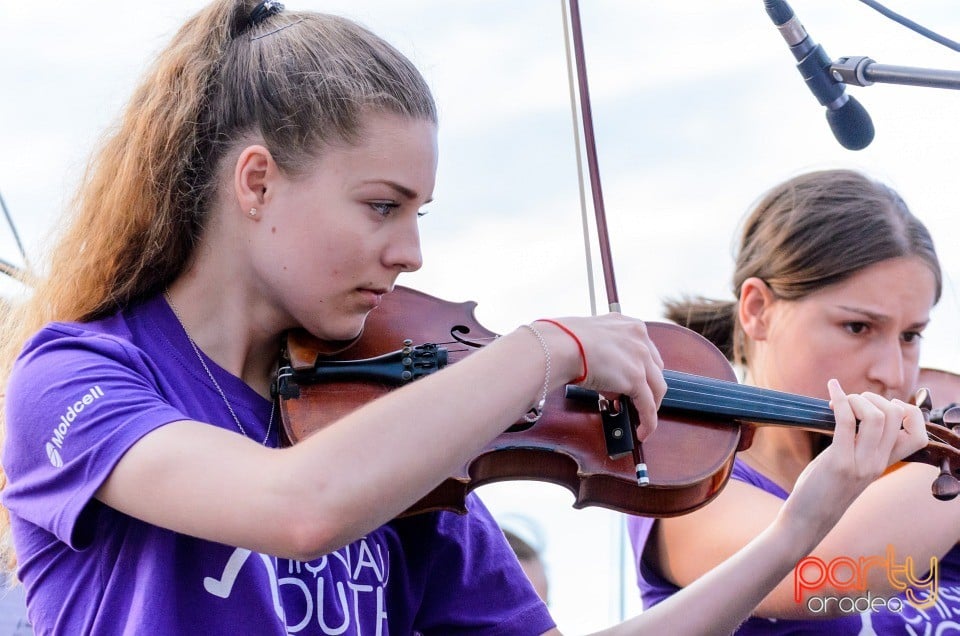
x=583 y=355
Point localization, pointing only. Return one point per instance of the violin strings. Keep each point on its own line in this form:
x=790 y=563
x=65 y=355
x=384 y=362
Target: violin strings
x=936 y=438
x=682 y=382
x=691 y=388
x=686 y=388
x=753 y=400
x=720 y=387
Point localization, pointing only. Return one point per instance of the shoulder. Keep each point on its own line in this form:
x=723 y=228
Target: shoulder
x=103 y=368
x=66 y=336
x=62 y=353
x=125 y=338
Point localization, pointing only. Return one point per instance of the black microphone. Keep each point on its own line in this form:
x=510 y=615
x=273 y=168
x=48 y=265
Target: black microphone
x=848 y=119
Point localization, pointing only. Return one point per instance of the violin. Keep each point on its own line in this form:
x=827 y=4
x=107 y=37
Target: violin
x=705 y=416
x=583 y=441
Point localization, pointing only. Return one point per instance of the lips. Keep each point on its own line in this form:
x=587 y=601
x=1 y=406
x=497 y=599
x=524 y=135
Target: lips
x=373 y=295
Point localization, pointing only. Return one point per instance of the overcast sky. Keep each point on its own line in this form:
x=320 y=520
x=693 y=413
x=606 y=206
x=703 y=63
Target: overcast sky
x=697 y=107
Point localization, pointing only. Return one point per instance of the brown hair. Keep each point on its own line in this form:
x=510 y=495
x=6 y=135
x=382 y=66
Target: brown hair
x=297 y=80
x=805 y=234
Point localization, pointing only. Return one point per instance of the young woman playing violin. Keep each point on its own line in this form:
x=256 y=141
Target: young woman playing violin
x=269 y=174
x=835 y=278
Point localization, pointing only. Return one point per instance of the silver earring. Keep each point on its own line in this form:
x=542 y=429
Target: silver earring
x=252 y=212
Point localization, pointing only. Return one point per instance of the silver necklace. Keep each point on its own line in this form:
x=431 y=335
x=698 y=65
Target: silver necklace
x=216 y=384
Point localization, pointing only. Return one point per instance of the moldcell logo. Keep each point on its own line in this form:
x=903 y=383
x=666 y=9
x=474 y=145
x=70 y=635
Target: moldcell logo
x=63 y=426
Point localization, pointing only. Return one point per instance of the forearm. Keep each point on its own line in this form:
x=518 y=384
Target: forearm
x=741 y=512
x=374 y=463
x=895 y=507
x=892 y=540
x=724 y=597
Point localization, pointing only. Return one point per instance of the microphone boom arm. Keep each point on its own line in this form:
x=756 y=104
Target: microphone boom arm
x=863 y=71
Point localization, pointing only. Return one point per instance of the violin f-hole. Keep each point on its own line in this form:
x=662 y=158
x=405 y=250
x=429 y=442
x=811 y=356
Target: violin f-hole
x=455 y=332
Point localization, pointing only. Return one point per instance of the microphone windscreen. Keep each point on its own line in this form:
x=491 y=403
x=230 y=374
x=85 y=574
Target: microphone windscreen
x=851 y=125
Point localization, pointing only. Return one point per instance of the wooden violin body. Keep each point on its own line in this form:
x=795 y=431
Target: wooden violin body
x=689 y=456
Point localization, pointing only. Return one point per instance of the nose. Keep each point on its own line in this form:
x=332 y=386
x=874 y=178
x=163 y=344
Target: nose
x=889 y=369
x=403 y=251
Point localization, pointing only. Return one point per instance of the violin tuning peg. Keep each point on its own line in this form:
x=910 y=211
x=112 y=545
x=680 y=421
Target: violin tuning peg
x=945 y=487
x=951 y=417
x=922 y=399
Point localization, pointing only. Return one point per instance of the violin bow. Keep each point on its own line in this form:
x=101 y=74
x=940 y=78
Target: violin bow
x=619 y=420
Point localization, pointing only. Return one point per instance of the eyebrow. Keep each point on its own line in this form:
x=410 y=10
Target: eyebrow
x=880 y=318
x=402 y=190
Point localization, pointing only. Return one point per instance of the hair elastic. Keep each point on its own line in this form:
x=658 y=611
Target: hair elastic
x=263 y=10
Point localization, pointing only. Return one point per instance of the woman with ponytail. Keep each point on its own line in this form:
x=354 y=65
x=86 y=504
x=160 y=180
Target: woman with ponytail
x=268 y=174
x=834 y=278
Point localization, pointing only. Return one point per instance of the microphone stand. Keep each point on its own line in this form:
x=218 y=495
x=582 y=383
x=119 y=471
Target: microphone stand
x=863 y=71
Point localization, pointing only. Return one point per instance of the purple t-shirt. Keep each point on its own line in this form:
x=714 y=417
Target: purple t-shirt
x=82 y=394
x=942 y=618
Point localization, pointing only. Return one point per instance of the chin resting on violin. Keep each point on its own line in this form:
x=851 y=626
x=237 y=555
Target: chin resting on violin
x=269 y=174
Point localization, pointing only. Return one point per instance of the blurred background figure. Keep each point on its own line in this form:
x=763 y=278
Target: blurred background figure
x=13 y=612
x=526 y=539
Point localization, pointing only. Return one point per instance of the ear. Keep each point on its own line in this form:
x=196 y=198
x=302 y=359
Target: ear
x=756 y=301
x=253 y=178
